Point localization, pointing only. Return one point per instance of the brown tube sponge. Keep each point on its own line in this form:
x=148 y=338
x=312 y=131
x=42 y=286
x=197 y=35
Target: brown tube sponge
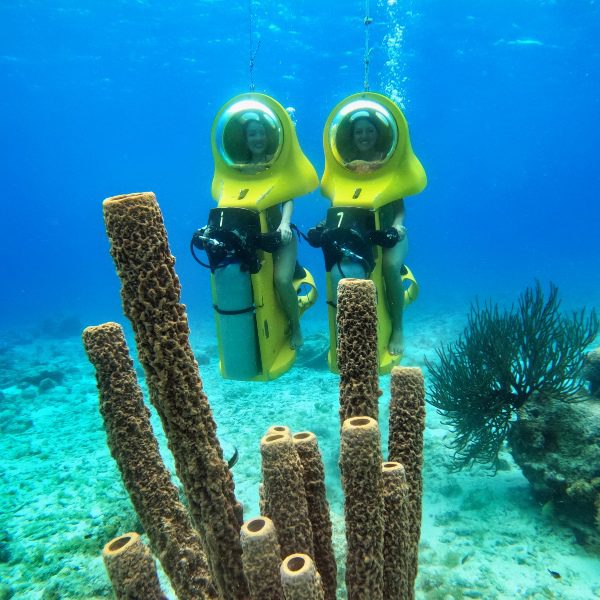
x=147 y=481
x=263 y=501
x=398 y=583
x=131 y=569
x=261 y=557
x=300 y=578
x=150 y=294
x=407 y=423
x=279 y=429
x=357 y=349
x=362 y=482
x=313 y=474
x=284 y=490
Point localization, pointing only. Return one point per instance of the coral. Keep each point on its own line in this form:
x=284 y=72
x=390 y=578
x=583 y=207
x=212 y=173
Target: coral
x=150 y=294
x=261 y=557
x=147 y=480
x=131 y=569
x=405 y=445
x=300 y=579
x=313 y=474
x=499 y=362
x=357 y=349
x=362 y=481
x=284 y=490
x=591 y=370
x=243 y=560
x=557 y=446
x=398 y=576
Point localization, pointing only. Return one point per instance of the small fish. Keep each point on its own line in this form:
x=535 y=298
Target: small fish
x=231 y=462
x=555 y=574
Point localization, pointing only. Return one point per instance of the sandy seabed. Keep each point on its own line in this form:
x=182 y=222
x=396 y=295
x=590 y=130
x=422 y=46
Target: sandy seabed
x=62 y=498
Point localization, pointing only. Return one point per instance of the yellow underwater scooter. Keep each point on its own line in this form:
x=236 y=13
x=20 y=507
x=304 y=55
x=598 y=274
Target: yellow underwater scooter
x=252 y=328
x=352 y=236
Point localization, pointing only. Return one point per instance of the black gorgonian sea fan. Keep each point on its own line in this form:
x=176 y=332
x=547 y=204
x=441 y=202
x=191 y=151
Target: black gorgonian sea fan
x=499 y=361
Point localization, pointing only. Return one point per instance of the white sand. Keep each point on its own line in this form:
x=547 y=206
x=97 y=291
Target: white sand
x=62 y=498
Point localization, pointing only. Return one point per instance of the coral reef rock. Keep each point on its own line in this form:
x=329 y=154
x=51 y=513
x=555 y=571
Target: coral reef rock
x=591 y=370
x=557 y=446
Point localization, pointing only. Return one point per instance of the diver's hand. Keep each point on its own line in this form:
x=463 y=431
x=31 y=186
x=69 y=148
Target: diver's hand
x=363 y=166
x=402 y=231
x=286 y=233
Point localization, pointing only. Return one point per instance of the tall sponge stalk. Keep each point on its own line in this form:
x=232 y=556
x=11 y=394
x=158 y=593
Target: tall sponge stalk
x=362 y=482
x=313 y=474
x=150 y=294
x=397 y=576
x=284 y=491
x=135 y=449
x=405 y=445
x=357 y=349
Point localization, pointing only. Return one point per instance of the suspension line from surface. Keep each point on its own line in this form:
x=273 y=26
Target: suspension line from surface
x=367 y=21
x=252 y=51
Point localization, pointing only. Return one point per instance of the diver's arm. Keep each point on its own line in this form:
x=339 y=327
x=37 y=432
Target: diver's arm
x=398 y=223
x=286 y=218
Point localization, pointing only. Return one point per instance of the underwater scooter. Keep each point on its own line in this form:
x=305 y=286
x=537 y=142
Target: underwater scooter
x=251 y=326
x=353 y=236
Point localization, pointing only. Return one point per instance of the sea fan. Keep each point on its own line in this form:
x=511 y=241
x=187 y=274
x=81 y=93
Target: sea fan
x=500 y=360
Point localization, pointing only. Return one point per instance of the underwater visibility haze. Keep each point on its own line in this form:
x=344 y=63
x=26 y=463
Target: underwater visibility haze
x=98 y=99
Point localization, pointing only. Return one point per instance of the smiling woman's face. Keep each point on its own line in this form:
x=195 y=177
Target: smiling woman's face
x=364 y=136
x=256 y=139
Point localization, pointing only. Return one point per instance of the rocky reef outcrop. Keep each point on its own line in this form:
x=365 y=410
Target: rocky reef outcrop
x=557 y=445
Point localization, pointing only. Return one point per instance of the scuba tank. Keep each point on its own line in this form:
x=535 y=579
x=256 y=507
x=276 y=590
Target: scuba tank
x=230 y=242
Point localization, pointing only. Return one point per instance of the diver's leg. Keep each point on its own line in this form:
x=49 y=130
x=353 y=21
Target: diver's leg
x=393 y=259
x=284 y=264
x=335 y=276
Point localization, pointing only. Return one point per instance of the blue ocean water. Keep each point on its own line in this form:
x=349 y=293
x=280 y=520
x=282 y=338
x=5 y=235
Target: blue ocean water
x=105 y=98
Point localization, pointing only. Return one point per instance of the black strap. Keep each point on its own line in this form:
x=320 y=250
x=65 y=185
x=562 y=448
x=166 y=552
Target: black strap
x=195 y=257
x=300 y=234
x=239 y=311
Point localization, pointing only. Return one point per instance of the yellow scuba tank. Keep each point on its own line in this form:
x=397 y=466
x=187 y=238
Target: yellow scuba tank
x=358 y=190
x=252 y=328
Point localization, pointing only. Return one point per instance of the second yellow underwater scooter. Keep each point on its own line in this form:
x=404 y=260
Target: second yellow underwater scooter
x=353 y=235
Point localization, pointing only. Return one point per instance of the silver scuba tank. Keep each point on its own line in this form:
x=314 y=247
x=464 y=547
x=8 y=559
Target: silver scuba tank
x=240 y=354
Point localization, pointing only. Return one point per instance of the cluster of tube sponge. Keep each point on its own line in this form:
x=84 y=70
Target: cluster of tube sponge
x=287 y=552
x=382 y=500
